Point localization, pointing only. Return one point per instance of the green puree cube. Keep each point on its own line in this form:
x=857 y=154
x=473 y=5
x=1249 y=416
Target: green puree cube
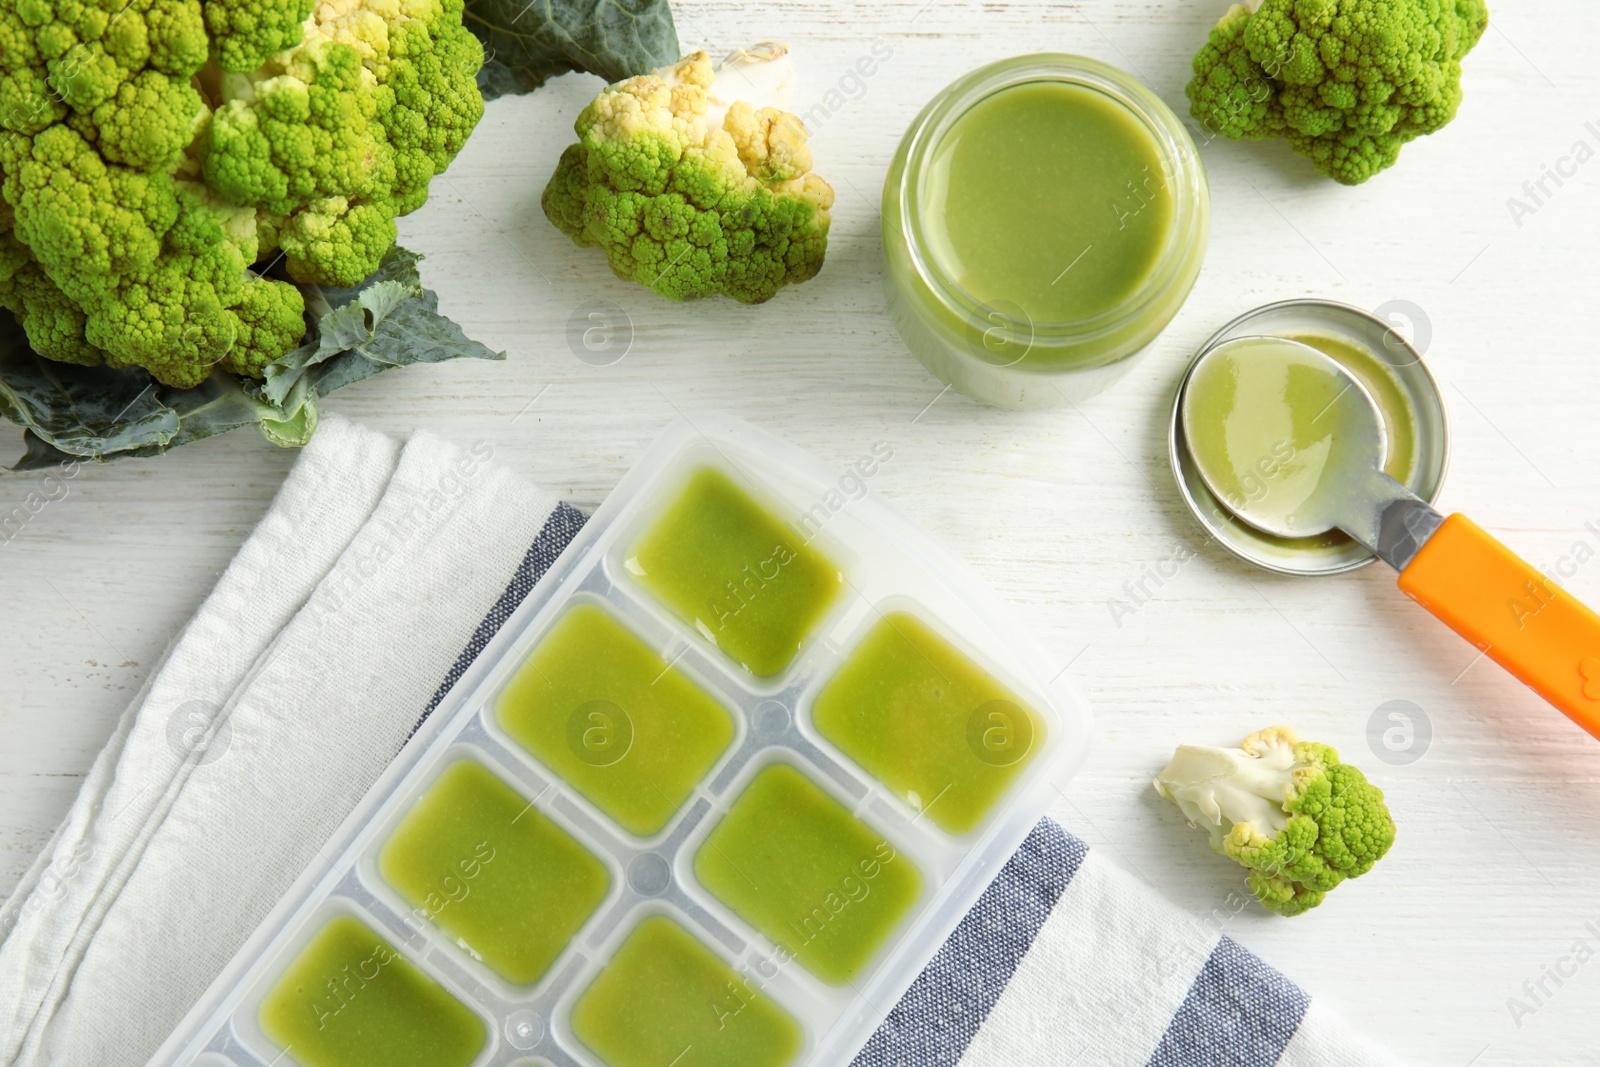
x=731 y=569
x=350 y=1000
x=929 y=723
x=508 y=884
x=665 y=999
x=603 y=710
x=819 y=883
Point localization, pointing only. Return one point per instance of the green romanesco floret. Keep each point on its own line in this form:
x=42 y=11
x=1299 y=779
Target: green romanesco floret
x=53 y=323
x=270 y=321
x=153 y=152
x=1345 y=82
x=691 y=191
x=336 y=238
x=248 y=31
x=1299 y=820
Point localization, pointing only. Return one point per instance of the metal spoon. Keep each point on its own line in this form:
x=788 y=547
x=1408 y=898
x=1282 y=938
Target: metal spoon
x=1297 y=475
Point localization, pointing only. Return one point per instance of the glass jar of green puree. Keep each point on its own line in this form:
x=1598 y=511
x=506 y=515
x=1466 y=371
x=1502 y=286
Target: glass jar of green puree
x=1043 y=220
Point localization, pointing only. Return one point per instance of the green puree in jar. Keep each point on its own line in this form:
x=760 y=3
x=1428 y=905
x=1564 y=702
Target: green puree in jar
x=925 y=720
x=744 y=579
x=665 y=999
x=818 y=882
x=626 y=728
x=1050 y=197
x=475 y=857
x=350 y=1000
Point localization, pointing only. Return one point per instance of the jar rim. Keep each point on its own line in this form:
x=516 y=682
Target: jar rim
x=1179 y=158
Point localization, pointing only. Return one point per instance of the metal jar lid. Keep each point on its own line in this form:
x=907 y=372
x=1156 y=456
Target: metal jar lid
x=1391 y=361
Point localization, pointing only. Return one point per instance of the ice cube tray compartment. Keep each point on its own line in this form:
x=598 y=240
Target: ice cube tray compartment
x=887 y=566
x=759 y=592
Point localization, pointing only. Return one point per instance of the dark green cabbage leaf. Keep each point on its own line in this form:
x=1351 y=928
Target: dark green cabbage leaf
x=528 y=42
x=71 y=412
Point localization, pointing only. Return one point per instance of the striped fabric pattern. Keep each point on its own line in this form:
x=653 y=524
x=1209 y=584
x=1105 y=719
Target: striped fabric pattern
x=1169 y=1004
x=1065 y=960
x=1239 y=1011
x=940 y=1014
x=558 y=531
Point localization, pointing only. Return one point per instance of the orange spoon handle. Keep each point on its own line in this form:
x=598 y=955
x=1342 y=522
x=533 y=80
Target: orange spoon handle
x=1521 y=619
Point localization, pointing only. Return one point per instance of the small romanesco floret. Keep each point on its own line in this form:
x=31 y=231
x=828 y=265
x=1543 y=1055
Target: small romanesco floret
x=1294 y=816
x=691 y=187
x=1345 y=82
x=153 y=151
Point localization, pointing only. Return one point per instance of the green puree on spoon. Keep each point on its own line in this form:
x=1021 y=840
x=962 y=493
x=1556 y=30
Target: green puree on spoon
x=1264 y=418
x=1252 y=397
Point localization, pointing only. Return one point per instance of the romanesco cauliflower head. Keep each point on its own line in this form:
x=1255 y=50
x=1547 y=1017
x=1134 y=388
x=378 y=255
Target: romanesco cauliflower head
x=1345 y=82
x=1299 y=820
x=693 y=191
x=153 y=151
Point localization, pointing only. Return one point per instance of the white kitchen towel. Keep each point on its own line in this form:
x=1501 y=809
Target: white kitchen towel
x=377 y=576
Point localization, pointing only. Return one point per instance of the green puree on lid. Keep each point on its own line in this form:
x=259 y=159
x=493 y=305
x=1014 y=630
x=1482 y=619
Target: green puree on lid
x=350 y=1000
x=926 y=721
x=628 y=730
x=1374 y=371
x=665 y=999
x=1051 y=197
x=818 y=882
x=731 y=569
x=508 y=884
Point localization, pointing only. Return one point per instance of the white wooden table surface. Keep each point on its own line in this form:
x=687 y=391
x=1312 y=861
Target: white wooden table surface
x=1494 y=875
